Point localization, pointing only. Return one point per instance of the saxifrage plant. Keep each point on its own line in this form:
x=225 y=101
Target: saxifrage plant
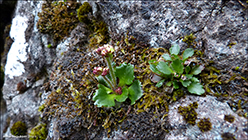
x=115 y=83
x=178 y=70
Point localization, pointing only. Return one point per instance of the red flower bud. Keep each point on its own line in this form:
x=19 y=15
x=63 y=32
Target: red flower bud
x=97 y=70
x=105 y=71
x=118 y=90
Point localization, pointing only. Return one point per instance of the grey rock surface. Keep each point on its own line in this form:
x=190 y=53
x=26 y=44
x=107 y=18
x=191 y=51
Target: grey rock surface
x=208 y=107
x=215 y=24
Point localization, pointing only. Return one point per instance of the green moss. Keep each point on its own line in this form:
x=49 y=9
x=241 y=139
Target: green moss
x=19 y=128
x=227 y=136
x=188 y=112
x=41 y=108
x=189 y=39
x=39 y=132
x=237 y=68
x=204 y=124
x=99 y=30
x=229 y=118
x=231 y=44
x=100 y=35
x=83 y=11
x=58 y=19
x=177 y=94
x=49 y=46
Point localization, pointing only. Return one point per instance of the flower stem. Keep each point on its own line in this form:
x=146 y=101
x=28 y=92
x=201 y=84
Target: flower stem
x=111 y=70
x=109 y=82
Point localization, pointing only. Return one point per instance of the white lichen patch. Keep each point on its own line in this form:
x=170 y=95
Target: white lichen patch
x=17 y=51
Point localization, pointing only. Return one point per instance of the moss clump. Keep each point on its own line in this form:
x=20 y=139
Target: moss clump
x=39 y=132
x=49 y=46
x=188 y=112
x=58 y=19
x=83 y=12
x=229 y=118
x=19 y=128
x=231 y=44
x=177 y=94
x=227 y=136
x=99 y=29
x=190 y=39
x=100 y=35
x=41 y=108
x=204 y=124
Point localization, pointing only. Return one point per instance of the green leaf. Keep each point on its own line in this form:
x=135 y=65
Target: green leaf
x=194 y=79
x=160 y=83
x=175 y=85
x=174 y=49
x=167 y=57
x=153 y=61
x=189 y=76
x=123 y=96
x=197 y=69
x=177 y=66
x=125 y=73
x=154 y=69
x=174 y=57
x=103 y=98
x=187 y=53
x=185 y=83
x=164 y=68
x=187 y=69
x=135 y=91
x=196 y=88
x=101 y=80
x=169 y=83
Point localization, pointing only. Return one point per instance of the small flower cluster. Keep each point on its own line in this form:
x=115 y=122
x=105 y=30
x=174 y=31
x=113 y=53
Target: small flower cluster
x=100 y=71
x=105 y=50
x=115 y=83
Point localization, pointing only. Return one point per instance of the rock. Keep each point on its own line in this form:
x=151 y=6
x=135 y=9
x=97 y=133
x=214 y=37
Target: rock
x=220 y=30
x=208 y=107
x=27 y=58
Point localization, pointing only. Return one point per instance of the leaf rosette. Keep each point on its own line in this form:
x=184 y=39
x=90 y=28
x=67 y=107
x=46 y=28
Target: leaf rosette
x=130 y=88
x=176 y=70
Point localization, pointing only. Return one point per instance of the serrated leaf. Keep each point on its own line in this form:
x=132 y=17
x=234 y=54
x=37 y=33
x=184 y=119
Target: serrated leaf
x=175 y=85
x=185 y=83
x=160 y=83
x=187 y=53
x=196 y=88
x=174 y=49
x=135 y=91
x=177 y=66
x=123 y=96
x=164 y=68
x=125 y=73
x=167 y=57
x=187 y=69
x=103 y=98
x=197 y=69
